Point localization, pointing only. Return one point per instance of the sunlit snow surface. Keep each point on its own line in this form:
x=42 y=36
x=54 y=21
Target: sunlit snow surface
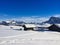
x=16 y=37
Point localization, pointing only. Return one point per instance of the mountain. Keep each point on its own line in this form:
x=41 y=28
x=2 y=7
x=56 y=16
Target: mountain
x=53 y=20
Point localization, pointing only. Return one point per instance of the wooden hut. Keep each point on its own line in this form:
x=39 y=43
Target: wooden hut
x=29 y=26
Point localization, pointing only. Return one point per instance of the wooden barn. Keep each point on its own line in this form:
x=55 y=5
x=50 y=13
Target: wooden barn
x=36 y=27
x=29 y=26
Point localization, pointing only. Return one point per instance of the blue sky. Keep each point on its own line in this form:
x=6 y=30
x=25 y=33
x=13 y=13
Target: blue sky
x=21 y=8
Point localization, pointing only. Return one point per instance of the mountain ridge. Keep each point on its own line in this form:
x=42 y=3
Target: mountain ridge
x=53 y=20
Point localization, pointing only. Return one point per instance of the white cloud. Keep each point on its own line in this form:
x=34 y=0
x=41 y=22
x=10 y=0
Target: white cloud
x=35 y=18
x=57 y=15
x=32 y=19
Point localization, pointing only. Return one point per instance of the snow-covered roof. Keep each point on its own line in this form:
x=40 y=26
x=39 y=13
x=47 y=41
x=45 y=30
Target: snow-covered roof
x=13 y=22
x=58 y=25
x=16 y=27
x=30 y=25
x=44 y=25
x=8 y=21
x=34 y=25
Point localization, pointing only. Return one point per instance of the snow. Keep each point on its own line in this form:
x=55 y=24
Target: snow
x=58 y=25
x=33 y=19
x=30 y=25
x=17 y=27
x=44 y=25
x=15 y=37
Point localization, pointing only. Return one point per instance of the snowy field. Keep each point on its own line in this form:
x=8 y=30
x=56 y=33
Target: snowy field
x=15 y=37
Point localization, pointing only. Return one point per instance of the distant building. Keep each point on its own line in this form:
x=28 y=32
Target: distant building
x=54 y=27
x=17 y=27
x=29 y=27
x=4 y=23
x=36 y=27
x=43 y=27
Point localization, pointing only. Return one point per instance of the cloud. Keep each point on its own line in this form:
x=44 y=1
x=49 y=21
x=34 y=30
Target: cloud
x=36 y=19
x=28 y=19
x=57 y=15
